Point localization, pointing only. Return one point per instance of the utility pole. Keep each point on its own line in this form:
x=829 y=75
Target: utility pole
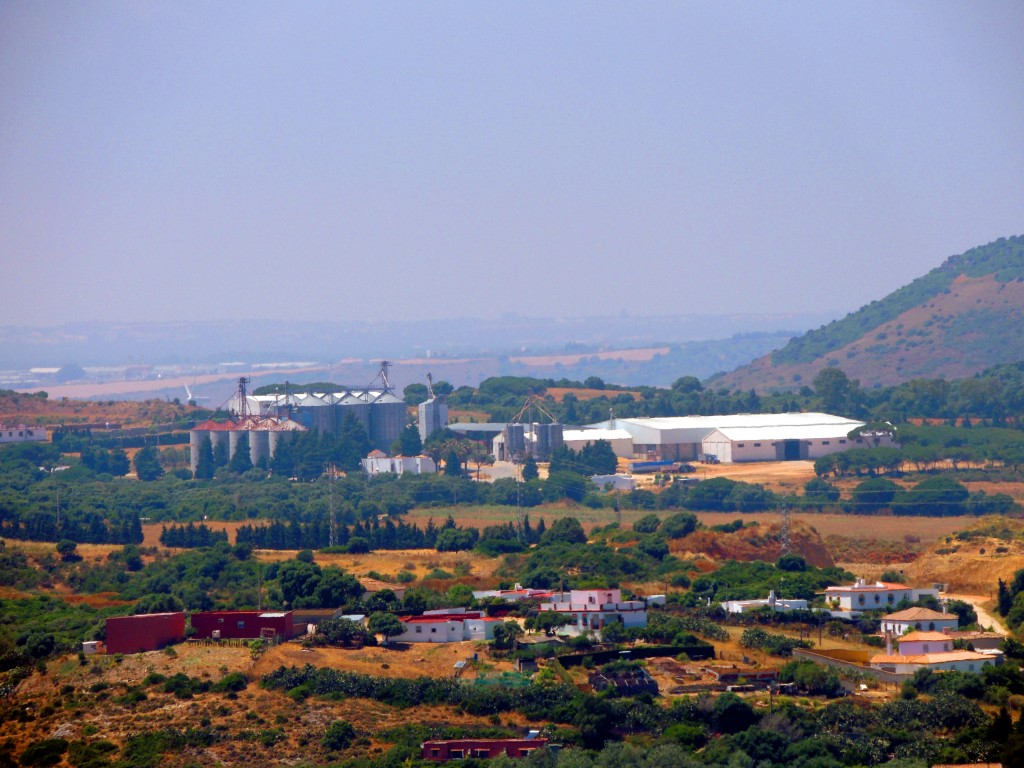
x=332 y=470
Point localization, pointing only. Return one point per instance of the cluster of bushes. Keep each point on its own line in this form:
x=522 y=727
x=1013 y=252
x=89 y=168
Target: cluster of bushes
x=775 y=645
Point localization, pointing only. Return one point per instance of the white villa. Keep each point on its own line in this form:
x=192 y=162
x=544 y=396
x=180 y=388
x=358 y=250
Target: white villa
x=451 y=625
x=591 y=609
x=923 y=619
x=929 y=650
x=878 y=595
x=773 y=602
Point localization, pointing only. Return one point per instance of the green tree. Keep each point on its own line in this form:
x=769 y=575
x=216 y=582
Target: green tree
x=386 y=624
x=679 y=525
x=834 y=389
x=647 y=524
x=118 y=464
x=205 y=465
x=147 y=464
x=530 y=471
x=68 y=551
x=874 y=493
x=339 y=735
x=240 y=461
x=410 y=442
x=453 y=464
x=565 y=530
x=505 y=634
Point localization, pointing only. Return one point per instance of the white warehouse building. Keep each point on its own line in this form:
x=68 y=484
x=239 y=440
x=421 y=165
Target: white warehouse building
x=741 y=437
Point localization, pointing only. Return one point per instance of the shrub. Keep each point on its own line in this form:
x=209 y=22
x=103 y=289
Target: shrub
x=45 y=752
x=339 y=735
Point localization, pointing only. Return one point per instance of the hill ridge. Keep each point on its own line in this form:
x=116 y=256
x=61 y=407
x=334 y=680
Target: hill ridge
x=958 y=319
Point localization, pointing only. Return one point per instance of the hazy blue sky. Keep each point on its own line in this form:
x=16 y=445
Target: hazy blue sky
x=337 y=160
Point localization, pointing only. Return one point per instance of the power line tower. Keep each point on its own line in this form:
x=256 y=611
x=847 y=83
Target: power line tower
x=331 y=473
x=786 y=533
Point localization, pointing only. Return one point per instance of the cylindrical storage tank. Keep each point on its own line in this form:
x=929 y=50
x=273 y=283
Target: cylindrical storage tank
x=555 y=440
x=233 y=437
x=219 y=442
x=387 y=420
x=541 y=444
x=259 y=446
x=195 y=443
x=515 y=441
x=352 y=406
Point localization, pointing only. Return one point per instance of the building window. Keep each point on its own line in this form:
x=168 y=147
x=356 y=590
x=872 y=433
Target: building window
x=878 y=599
x=740 y=445
x=860 y=599
x=842 y=442
x=433 y=630
x=824 y=442
x=419 y=630
x=970 y=667
x=241 y=625
x=220 y=621
x=481 y=753
x=757 y=445
x=891 y=597
x=456 y=754
x=925 y=647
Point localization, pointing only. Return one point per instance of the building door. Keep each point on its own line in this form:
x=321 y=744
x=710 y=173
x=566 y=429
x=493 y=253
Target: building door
x=791 y=450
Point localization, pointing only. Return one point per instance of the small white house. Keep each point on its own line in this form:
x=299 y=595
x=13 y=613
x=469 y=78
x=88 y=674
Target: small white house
x=614 y=482
x=919 y=619
x=591 y=609
x=399 y=465
x=773 y=602
x=21 y=434
x=452 y=627
x=878 y=595
x=929 y=650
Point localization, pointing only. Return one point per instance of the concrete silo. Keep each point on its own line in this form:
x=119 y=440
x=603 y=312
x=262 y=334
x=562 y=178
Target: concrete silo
x=433 y=415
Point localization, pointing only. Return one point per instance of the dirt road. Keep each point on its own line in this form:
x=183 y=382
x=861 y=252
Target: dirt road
x=985 y=619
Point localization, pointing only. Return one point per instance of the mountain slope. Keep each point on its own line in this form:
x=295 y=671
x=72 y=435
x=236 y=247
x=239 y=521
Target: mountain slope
x=958 y=319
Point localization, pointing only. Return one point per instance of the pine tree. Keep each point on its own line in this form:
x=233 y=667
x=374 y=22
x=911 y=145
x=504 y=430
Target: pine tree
x=205 y=464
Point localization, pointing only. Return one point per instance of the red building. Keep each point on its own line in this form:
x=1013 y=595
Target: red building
x=245 y=625
x=146 y=632
x=459 y=749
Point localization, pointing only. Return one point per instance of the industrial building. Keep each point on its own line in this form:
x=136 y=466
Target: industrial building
x=620 y=440
x=145 y=632
x=380 y=412
x=517 y=441
x=246 y=625
x=264 y=435
x=433 y=412
x=741 y=437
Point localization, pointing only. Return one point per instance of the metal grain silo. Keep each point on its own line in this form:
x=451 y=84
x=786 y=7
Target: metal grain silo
x=259 y=444
x=515 y=441
x=356 y=405
x=387 y=419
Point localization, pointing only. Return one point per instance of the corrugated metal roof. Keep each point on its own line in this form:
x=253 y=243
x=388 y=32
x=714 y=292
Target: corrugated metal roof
x=215 y=426
x=575 y=435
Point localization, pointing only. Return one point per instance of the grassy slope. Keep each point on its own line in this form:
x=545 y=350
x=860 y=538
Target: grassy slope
x=958 y=319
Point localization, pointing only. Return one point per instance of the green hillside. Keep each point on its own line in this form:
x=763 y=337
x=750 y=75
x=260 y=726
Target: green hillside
x=1003 y=258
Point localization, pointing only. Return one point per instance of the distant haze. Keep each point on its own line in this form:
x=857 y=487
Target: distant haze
x=361 y=162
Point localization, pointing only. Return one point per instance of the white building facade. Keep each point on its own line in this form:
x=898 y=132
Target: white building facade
x=591 y=609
